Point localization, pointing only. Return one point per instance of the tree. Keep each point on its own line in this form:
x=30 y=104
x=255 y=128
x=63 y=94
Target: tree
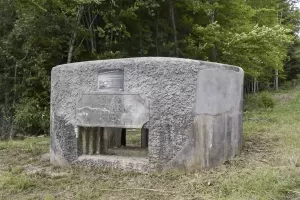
x=37 y=35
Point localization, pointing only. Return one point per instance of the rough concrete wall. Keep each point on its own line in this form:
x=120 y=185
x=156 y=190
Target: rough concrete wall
x=219 y=115
x=217 y=129
x=168 y=84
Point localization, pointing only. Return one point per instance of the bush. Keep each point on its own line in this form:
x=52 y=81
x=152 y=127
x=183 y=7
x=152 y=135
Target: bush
x=286 y=85
x=31 y=118
x=262 y=100
x=266 y=100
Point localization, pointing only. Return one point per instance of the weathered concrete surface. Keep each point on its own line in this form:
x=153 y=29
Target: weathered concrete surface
x=111 y=109
x=195 y=110
x=115 y=162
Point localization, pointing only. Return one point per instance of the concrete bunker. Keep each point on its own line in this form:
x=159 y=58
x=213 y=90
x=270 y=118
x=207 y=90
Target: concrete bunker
x=187 y=113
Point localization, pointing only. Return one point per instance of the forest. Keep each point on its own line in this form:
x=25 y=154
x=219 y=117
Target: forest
x=261 y=36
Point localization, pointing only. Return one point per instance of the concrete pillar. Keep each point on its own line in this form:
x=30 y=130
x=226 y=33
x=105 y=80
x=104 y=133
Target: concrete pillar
x=79 y=141
x=92 y=140
x=104 y=140
x=115 y=137
x=85 y=140
x=98 y=139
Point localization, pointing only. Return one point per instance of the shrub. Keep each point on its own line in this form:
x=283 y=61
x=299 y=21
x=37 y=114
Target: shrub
x=31 y=118
x=262 y=100
x=266 y=101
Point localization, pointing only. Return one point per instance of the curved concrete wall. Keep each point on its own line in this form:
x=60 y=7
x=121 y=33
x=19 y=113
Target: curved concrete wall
x=195 y=111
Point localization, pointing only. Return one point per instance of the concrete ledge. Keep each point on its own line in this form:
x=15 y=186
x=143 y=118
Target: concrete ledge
x=137 y=164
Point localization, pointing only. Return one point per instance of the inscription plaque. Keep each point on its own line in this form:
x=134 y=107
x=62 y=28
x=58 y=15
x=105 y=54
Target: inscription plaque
x=112 y=80
x=112 y=109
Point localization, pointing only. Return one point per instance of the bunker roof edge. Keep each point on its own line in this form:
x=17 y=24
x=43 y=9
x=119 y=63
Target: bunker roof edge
x=140 y=59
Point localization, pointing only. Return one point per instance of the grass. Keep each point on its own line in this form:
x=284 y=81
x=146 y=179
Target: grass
x=268 y=168
x=133 y=137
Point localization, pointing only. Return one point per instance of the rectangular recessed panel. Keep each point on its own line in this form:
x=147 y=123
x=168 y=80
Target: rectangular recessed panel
x=112 y=109
x=111 y=80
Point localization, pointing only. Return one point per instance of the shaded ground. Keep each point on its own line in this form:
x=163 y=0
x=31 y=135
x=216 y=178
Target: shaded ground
x=269 y=168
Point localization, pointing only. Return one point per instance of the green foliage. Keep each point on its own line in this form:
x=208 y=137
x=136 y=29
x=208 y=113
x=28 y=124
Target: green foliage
x=258 y=50
x=262 y=100
x=292 y=67
x=30 y=117
x=266 y=101
x=37 y=35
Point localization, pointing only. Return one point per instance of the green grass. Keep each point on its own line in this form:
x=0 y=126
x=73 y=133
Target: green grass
x=133 y=137
x=268 y=168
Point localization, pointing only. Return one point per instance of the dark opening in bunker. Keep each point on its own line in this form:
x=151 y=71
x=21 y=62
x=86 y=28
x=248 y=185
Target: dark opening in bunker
x=113 y=141
x=110 y=106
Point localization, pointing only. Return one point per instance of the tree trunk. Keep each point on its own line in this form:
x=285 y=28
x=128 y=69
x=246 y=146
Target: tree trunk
x=73 y=39
x=3 y=111
x=212 y=20
x=156 y=37
x=12 y=132
x=12 y=128
x=276 y=70
x=276 y=79
x=71 y=48
x=91 y=29
x=140 y=35
x=254 y=85
x=172 y=17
